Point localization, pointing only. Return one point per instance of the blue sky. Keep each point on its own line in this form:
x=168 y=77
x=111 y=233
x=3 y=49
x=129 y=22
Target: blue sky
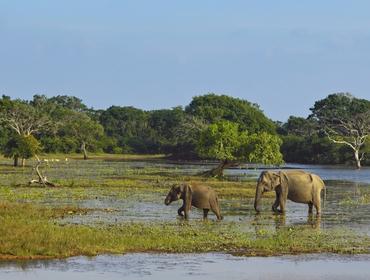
x=283 y=55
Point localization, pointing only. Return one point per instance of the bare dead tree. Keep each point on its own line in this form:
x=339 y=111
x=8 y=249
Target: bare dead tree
x=351 y=132
x=42 y=180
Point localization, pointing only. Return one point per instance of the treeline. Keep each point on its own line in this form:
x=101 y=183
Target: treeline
x=203 y=129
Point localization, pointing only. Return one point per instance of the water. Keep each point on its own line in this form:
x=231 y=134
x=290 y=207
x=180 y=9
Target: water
x=339 y=210
x=195 y=266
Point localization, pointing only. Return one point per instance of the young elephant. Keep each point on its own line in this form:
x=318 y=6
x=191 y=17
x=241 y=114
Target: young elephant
x=202 y=197
x=298 y=186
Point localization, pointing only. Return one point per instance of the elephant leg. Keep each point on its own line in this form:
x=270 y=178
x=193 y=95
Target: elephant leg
x=186 y=215
x=317 y=203
x=318 y=207
x=180 y=210
x=310 y=205
x=205 y=213
x=282 y=202
x=186 y=212
x=276 y=203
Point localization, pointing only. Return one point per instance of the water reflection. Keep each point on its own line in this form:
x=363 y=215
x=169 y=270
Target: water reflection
x=279 y=221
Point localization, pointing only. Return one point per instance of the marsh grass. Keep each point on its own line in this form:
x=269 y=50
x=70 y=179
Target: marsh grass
x=32 y=232
x=361 y=197
x=361 y=200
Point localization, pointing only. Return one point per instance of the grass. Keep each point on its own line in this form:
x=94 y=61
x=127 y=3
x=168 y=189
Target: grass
x=361 y=200
x=362 y=197
x=31 y=232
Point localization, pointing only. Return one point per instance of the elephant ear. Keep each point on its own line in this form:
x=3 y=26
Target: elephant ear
x=188 y=194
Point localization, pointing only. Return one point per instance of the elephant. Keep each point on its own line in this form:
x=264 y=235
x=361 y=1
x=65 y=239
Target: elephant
x=295 y=185
x=199 y=196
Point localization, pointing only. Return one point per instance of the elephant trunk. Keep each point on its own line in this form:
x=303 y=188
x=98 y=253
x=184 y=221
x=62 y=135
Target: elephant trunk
x=168 y=200
x=257 y=198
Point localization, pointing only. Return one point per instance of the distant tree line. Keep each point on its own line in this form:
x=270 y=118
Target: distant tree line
x=217 y=127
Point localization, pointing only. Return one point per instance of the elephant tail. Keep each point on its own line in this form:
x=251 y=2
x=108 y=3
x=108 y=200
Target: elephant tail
x=324 y=189
x=323 y=204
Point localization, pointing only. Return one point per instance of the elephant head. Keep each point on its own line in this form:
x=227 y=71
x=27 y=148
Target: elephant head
x=176 y=192
x=267 y=181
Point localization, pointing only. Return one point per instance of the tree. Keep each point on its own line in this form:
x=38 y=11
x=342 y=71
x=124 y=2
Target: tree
x=212 y=108
x=264 y=148
x=225 y=142
x=85 y=130
x=345 y=120
x=186 y=136
x=24 y=120
x=22 y=117
x=21 y=146
x=298 y=126
x=128 y=126
x=163 y=124
x=69 y=102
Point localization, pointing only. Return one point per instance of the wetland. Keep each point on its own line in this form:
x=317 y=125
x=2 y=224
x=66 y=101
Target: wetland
x=107 y=206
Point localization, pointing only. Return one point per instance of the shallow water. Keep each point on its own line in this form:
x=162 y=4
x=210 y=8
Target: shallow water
x=194 y=266
x=337 y=213
x=344 y=184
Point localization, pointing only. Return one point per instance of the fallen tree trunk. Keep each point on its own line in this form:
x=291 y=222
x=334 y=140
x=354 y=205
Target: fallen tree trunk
x=218 y=171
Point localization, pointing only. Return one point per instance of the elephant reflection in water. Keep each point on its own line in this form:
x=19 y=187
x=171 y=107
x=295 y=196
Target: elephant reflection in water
x=311 y=222
x=261 y=222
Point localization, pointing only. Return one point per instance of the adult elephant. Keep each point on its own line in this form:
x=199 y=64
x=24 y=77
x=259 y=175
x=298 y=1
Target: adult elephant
x=295 y=185
x=202 y=197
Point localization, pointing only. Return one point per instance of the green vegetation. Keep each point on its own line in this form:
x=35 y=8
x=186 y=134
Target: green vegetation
x=225 y=142
x=213 y=108
x=21 y=146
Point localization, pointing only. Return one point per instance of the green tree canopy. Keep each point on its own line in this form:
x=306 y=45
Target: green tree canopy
x=212 y=108
x=124 y=122
x=163 y=125
x=299 y=126
x=21 y=146
x=264 y=148
x=69 y=102
x=224 y=141
x=84 y=129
